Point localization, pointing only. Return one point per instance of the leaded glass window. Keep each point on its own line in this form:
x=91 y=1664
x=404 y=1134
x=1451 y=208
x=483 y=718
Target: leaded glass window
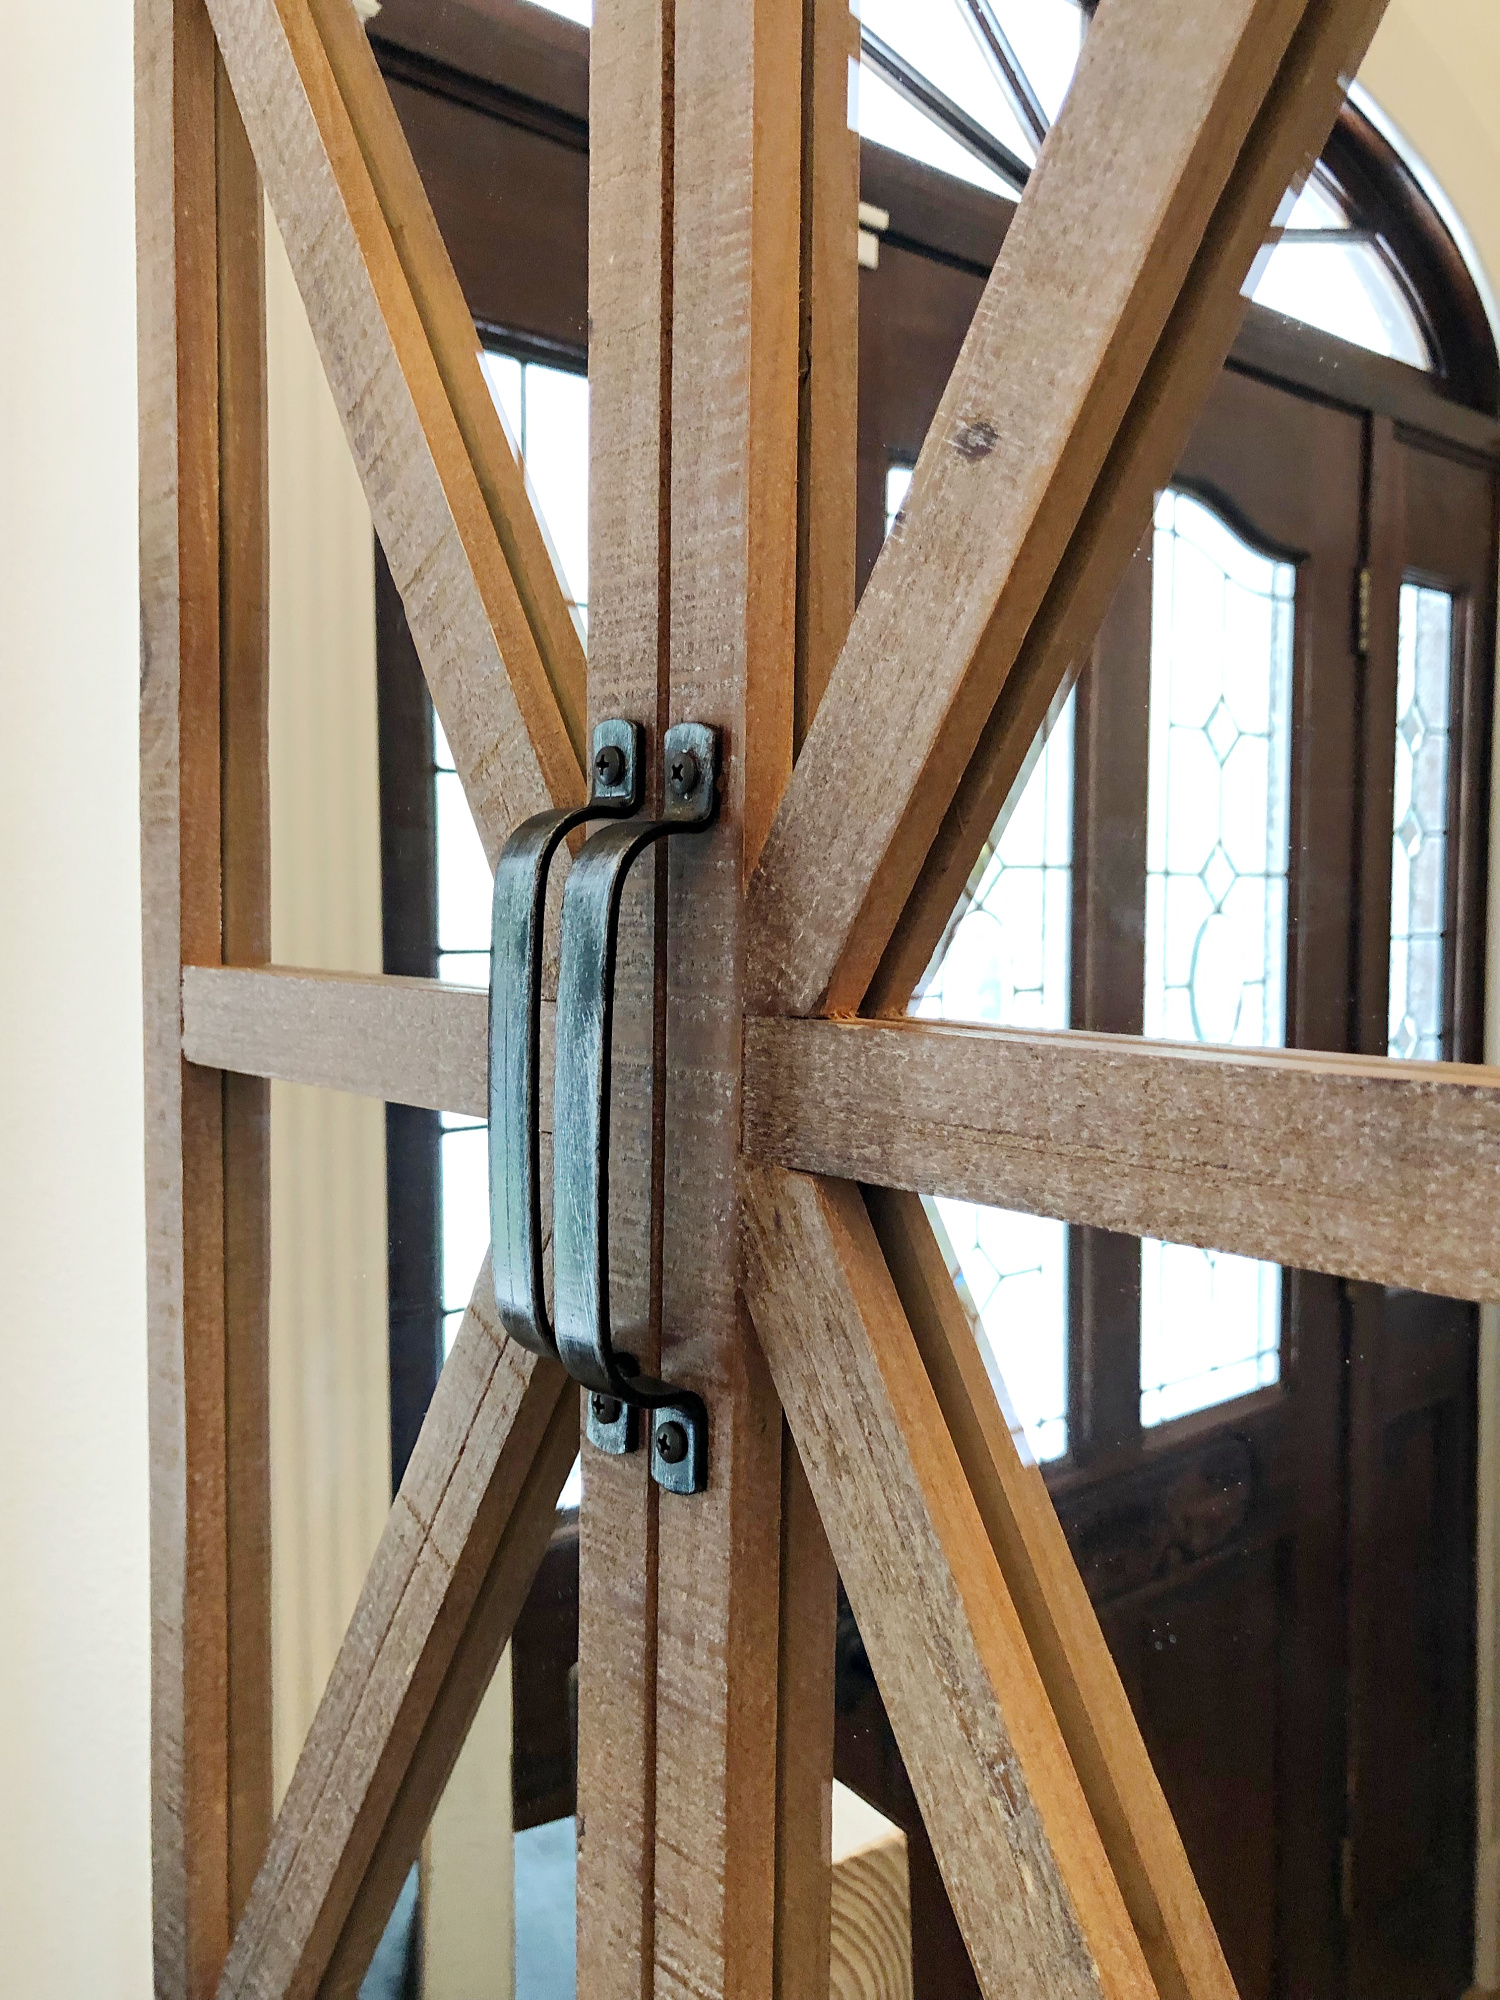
x=1217 y=857
x=1419 y=839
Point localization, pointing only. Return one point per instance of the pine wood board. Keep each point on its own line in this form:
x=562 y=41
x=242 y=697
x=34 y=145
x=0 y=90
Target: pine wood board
x=1014 y=490
x=1022 y=1860
x=1140 y=1837
x=466 y=1531
x=1356 y=1165
x=489 y=683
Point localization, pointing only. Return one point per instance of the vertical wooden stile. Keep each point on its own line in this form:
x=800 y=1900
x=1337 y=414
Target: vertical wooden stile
x=630 y=222
x=828 y=410
x=204 y=877
x=244 y=748
x=733 y=587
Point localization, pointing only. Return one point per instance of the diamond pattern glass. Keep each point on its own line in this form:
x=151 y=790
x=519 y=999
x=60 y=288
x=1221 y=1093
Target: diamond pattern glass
x=1419 y=838
x=1217 y=858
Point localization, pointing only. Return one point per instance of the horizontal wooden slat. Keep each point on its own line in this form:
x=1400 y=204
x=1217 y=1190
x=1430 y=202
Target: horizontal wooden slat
x=409 y=1041
x=1386 y=1171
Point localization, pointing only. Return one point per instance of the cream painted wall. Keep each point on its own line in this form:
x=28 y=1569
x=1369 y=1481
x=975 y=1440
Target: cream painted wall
x=74 y=1854
x=330 y=1403
x=74 y=1630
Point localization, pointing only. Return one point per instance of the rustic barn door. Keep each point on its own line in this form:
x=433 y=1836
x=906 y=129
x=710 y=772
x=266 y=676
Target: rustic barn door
x=779 y=1117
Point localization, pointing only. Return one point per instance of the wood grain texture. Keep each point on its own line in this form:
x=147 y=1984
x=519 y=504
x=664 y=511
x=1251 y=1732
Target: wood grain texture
x=736 y=253
x=245 y=932
x=1293 y=123
x=479 y=652
x=827 y=459
x=806 y=1889
x=467 y=1529
x=449 y=326
x=1021 y=1857
x=203 y=882
x=408 y=1041
x=1355 y=1165
x=630 y=236
x=870 y=1922
x=1014 y=489
x=1093 y=1712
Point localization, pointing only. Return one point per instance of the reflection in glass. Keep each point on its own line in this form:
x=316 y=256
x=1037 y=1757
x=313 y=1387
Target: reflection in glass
x=1419 y=840
x=1217 y=857
x=1004 y=960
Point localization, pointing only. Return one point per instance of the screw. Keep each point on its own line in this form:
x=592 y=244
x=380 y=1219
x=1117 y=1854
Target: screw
x=609 y=764
x=682 y=776
x=606 y=1409
x=672 y=1443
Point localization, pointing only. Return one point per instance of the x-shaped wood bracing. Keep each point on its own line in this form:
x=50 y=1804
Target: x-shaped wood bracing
x=1112 y=305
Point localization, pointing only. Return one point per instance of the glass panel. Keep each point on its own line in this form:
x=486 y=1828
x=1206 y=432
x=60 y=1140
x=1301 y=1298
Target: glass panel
x=1419 y=842
x=1011 y=1274
x=1217 y=856
x=1330 y=275
x=939 y=42
x=1005 y=960
x=1346 y=289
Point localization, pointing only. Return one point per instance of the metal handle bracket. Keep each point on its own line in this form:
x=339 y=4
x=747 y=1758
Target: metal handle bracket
x=516 y=943
x=580 y=1207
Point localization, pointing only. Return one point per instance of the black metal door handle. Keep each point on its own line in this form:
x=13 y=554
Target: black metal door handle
x=516 y=937
x=580 y=1150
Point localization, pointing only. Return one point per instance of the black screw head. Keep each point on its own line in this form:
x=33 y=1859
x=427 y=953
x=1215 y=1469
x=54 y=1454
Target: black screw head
x=606 y=1409
x=682 y=775
x=672 y=1443
x=609 y=764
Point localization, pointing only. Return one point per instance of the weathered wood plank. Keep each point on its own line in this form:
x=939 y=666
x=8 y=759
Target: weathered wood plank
x=1031 y=1886
x=203 y=886
x=827 y=456
x=450 y=329
x=736 y=249
x=489 y=683
x=1140 y=1838
x=630 y=225
x=408 y=1041
x=466 y=1532
x=1035 y=480
x=1356 y=1165
x=1297 y=116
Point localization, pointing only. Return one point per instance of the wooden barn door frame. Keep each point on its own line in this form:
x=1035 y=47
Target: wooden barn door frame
x=722 y=484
